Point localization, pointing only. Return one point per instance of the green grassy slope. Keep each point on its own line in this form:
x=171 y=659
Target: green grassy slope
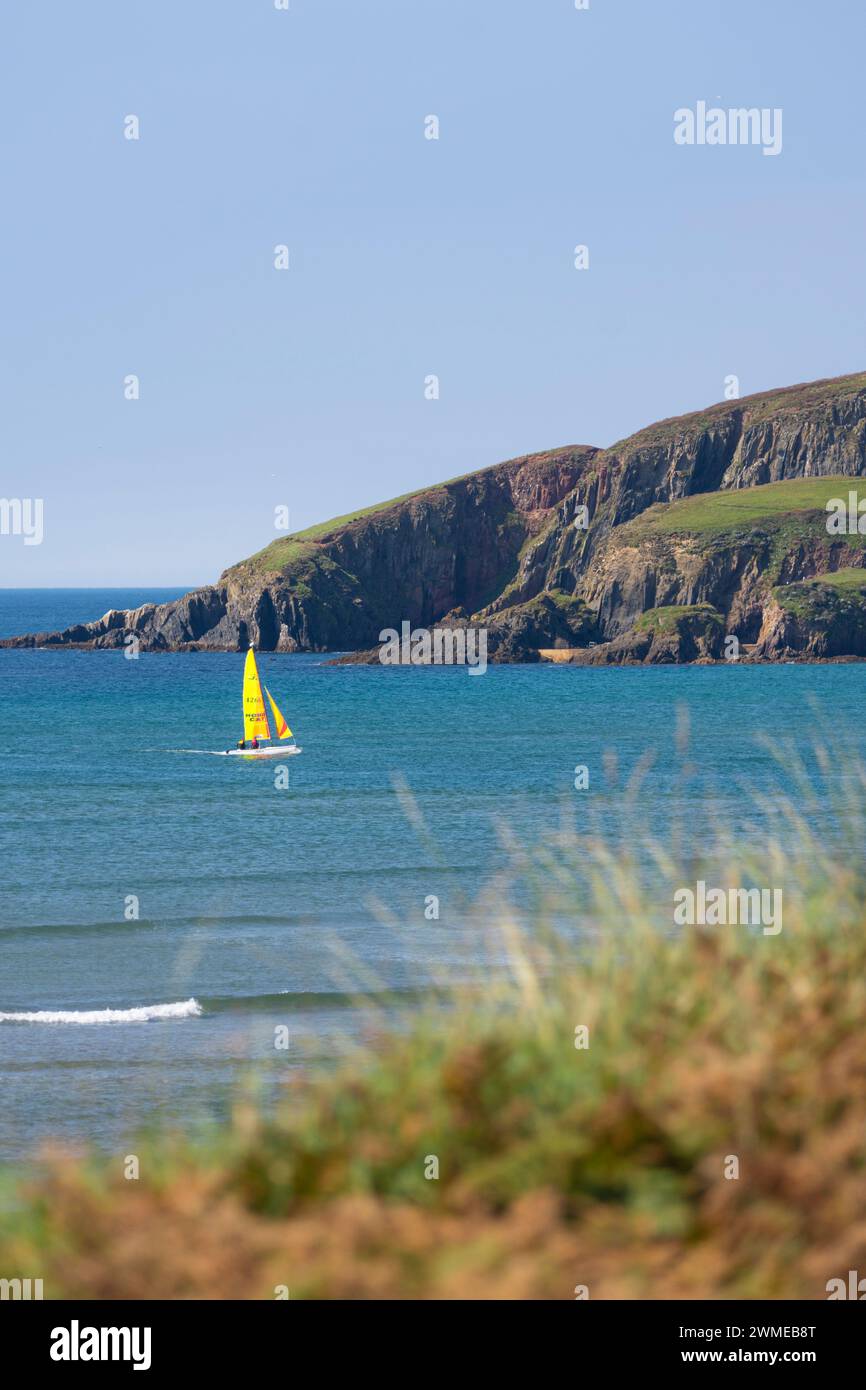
x=716 y=513
x=667 y=618
x=847 y=580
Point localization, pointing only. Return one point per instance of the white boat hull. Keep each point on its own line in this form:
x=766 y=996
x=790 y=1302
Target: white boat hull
x=261 y=752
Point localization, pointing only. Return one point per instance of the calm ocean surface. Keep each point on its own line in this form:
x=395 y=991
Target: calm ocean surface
x=271 y=906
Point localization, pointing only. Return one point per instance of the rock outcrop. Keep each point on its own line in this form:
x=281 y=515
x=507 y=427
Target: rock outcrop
x=656 y=549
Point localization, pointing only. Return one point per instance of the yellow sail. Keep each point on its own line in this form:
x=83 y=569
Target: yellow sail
x=255 y=715
x=282 y=728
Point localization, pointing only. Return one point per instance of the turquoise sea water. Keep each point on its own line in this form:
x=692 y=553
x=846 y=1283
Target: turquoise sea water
x=271 y=906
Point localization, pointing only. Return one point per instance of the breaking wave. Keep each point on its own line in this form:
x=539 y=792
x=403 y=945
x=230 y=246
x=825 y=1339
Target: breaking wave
x=188 y=1008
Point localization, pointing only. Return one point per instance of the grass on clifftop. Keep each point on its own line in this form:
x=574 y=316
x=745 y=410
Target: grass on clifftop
x=668 y=618
x=326 y=528
x=558 y=1165
x=300 y=545
x=760 y=406
x=277 y=556
x=820 y=600
x=848 y=580
x=742 y=508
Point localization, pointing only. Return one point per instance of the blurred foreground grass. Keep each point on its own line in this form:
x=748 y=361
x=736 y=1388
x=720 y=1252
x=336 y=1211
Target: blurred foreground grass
x=558 y=1166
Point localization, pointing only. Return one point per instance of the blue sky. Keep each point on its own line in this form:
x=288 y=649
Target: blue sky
x=408 y=256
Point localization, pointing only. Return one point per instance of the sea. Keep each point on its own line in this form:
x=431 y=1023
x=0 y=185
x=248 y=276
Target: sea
x=178 y=929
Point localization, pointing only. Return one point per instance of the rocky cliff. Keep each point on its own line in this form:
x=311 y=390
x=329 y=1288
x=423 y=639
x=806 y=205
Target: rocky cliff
x=660 y=548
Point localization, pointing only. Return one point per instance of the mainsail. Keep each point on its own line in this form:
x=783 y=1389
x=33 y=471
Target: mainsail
x=282 y=728
x=255 y=715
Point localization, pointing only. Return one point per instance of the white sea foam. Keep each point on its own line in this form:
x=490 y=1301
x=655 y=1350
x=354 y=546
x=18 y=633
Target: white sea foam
x=188 y=1008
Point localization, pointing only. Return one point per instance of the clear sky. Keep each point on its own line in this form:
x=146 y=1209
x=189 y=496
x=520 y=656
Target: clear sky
x=408 y=256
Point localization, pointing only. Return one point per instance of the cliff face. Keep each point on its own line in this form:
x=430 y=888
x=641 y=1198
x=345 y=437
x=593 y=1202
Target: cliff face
x=720 y=512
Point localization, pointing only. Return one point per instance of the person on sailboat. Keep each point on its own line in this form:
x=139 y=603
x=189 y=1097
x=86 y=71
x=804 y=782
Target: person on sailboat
x=242 y=743
x=255 y=743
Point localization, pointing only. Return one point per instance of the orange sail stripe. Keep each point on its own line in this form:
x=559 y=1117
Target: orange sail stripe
x=282 y=728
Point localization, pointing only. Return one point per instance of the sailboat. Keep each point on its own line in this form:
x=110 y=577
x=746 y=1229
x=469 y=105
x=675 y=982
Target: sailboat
x=256 y=724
